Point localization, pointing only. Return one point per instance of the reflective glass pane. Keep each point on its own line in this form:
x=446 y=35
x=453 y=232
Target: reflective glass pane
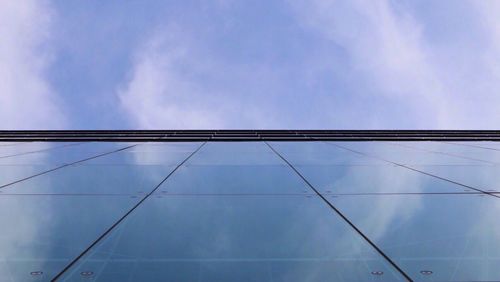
x=486 y=178
x=91 y=178
x=226 y=179
x=49 y=156
x=471 y=152
x=375 y=179
x=403 y=155
x=12 y=149
x=42 y=234
x=165 y=147
x=492 y=145
x=167 y=154
x=94 y=179
x=235 y=211
x=235 y=153
x=63 y=155
x=453 y=237
x=12 y=173
x=321 y=153
x=233 y=238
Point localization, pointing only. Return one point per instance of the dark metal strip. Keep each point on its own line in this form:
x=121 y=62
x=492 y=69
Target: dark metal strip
x=248 y=135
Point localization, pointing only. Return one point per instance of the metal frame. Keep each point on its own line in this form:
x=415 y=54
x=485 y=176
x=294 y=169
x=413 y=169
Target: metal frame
x=248 y=135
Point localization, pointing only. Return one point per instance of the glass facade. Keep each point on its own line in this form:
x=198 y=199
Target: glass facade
x=250 y=211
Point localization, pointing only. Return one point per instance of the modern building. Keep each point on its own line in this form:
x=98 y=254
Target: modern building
x=283 y=205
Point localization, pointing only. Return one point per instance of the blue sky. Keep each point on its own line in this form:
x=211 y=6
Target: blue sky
x=333 y=64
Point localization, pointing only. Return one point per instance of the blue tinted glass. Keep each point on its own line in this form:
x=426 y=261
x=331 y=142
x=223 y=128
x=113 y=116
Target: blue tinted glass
x=93 y=179
x=42 y=234
x=489 y=145
x=432 y=237
x=165 y=147
x=101 y=178
x=375 y=179
x=233 y=238
x=235 y=153
x=486 y=178
x=12 y=173
x=13 y=149
x=236 y=211
x=169 y=154
x=461 y=151
x=225 y=179
x=403 y=154
x=43 y=157
x=63 y=154
x=321 y=153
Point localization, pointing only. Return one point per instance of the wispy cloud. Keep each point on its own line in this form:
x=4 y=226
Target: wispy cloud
x=174 y=85
x=26 y=98
x=388 y=48
x=320 y=64
x=161 y=93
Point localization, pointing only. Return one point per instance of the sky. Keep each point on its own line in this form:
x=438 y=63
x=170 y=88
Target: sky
x=260 y=64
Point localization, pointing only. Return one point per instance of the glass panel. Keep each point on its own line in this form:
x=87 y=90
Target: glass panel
x=4 y=143
x=93 y=179
x=404 y=155
x=375 y=179
x=11 y=149
x=320 y=153
x=233 y=238
x=472 y=152
x=165 y=147
x=479 y=144
x=89 y=178
x=432 y=237
x=486 y=178
x=12 y=173
x=235 y=153
x=161 y=154
x=42 y=234
x=22 y=166
x=224 y=179
x=139 y=158
x=63 y=155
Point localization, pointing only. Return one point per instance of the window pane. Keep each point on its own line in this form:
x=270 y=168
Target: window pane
x=375 y=179
x=404 y=155
x=234 y=238
x=94 y=179
x=44 y=233
x=432 y=237
x=239 y=179
x=486 y=178
x=321 y=153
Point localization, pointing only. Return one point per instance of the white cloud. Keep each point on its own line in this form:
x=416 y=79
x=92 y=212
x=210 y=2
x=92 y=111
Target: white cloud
x=26 y=99
x=176 y=83
x=489 y=12
x=388 y=48
x=161 y=92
